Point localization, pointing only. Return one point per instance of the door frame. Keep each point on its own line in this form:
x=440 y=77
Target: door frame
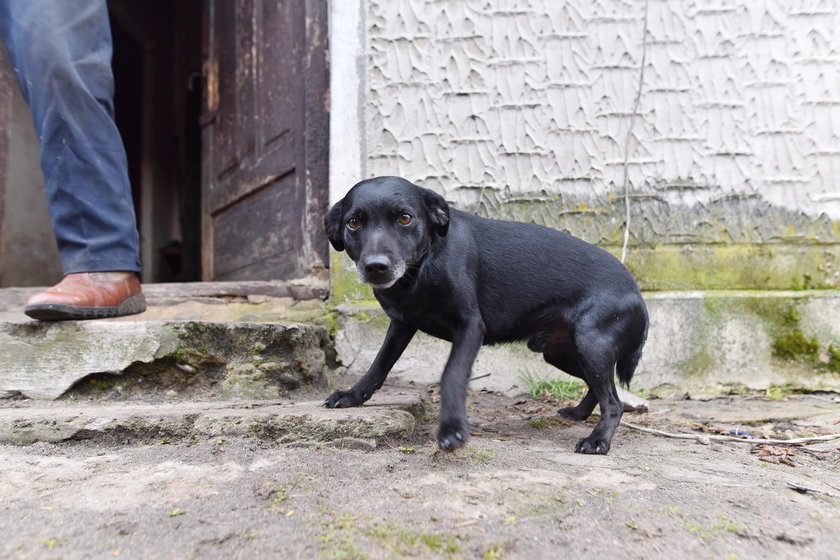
x=5 y=106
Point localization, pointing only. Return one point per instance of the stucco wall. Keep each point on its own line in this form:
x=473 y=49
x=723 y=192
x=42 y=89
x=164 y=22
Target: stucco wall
x=524 y=109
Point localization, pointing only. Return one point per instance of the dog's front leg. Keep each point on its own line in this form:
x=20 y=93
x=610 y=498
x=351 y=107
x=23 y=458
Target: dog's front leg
x=397 y=338
x=466 y=342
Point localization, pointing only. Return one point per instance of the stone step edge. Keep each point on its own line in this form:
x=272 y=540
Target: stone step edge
x=44 y=360
x=388 y=418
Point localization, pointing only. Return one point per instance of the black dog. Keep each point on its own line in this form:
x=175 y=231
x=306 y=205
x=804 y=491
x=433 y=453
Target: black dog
x=474 y=281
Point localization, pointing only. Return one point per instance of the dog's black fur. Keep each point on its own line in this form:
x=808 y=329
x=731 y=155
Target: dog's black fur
x=474 y=281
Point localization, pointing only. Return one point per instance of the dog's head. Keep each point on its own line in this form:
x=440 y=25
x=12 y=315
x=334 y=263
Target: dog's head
x=386 y=225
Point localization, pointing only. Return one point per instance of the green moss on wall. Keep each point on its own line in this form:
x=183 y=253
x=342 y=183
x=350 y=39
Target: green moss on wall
x=795 y=344
x=698 y=366
x=682 y=267
x=734 y=267
x=834 y=358
x=345 y=284
x=778 y=314
x=730 y=243
x=781 y=321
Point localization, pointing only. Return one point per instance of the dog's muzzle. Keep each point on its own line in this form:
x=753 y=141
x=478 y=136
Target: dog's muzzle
x=380 y=271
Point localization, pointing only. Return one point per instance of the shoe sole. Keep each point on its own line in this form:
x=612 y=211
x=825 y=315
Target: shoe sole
x=55 y=312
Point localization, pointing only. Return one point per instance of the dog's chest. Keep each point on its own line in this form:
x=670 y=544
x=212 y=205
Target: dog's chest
x=429 y=314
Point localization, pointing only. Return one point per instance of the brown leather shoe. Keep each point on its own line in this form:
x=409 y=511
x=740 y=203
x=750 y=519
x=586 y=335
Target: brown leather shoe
x=88 y=295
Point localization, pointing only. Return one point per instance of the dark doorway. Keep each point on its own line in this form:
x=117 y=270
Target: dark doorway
x=223 y=107
x=265 y=131
x=157 y=69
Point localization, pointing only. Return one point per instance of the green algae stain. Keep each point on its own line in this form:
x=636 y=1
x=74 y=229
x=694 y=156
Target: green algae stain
x=795 y=344
x=834 y=358
x=780 y=320
x=346 y=286
x=700 y=364
x=726 y=267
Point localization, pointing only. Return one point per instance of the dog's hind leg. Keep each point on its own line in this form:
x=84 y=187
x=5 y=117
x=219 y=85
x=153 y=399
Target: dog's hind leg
x=568 y=362
x=596 y=355
x=603 y=388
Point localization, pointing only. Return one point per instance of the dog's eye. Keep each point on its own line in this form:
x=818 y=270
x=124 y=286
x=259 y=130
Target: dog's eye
x=405 y=219
x=353 y=224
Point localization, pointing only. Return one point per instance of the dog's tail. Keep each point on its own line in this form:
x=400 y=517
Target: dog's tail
x=626 y=366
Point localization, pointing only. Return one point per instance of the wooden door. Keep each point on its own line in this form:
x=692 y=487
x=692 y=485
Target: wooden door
x=264 y=139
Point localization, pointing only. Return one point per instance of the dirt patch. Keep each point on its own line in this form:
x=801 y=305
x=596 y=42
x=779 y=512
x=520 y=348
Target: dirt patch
x=515 y=491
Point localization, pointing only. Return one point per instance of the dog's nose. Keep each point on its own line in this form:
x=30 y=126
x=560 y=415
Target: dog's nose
x=377 y=265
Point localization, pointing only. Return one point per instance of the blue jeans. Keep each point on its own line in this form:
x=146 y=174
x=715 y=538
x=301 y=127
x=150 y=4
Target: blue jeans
x=60 y=51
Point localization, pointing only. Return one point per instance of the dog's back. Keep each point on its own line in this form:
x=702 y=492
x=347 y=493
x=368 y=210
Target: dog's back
x=529 y=276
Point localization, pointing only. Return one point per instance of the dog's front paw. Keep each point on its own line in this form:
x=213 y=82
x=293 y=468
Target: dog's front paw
x=593 y=446
x=453 y=434
x=343 y=399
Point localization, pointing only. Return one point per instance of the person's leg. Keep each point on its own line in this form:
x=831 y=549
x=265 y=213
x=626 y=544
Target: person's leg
x=61 y=55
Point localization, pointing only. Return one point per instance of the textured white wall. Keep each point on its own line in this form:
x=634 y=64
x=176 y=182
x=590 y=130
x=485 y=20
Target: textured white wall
x=522 y=101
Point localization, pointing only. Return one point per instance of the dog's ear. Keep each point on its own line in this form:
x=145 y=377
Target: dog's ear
x=333 y=223
x=438 y=211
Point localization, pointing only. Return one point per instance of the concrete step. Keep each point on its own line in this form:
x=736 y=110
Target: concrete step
x=701 y=343
x=254 y=301
x=227 y=360
x=386 y=417
x=260 y=340
x=197 y=341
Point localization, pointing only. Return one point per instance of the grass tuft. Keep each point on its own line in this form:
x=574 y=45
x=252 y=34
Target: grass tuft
x=560 y=389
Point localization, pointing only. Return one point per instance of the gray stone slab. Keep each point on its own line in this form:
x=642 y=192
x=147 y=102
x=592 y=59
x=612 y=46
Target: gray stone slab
x=753 y=412
x=246 y=360
x=390 y=417
x=701 y=343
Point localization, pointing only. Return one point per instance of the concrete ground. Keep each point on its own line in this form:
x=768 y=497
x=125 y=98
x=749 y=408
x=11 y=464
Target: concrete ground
x=177 y=479
x=204 y=446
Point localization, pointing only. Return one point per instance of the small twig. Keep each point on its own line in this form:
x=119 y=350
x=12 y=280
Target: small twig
x=704 y=437
x=480 y=376
x=804 y=489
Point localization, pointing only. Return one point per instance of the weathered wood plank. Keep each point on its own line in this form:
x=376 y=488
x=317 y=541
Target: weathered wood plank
x=6 y=83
